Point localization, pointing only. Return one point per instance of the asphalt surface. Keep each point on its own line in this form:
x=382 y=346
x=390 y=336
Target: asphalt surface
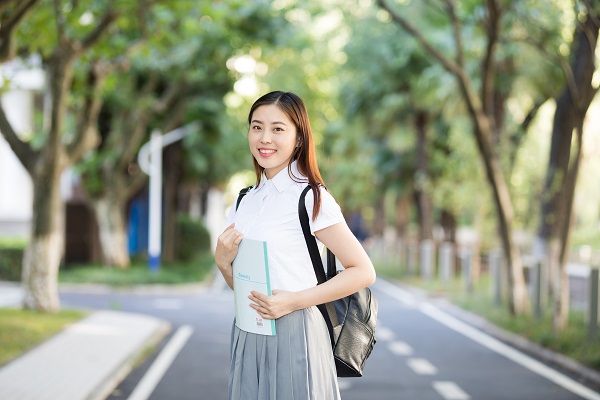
x=423 y=352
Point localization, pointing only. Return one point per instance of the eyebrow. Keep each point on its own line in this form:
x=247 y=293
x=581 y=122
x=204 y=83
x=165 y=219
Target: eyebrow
x=274 y=123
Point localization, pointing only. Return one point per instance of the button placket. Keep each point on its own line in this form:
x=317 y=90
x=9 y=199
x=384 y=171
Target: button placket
x=266 y=196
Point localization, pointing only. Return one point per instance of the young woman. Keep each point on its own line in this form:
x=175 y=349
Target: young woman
x=297 y=363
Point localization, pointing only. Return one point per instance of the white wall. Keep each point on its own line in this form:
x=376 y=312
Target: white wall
x=16 y=190
x=20 y=79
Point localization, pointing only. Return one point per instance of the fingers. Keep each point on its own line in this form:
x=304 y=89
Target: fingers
x=231 y=236
x=263 y=311
x=257 y=297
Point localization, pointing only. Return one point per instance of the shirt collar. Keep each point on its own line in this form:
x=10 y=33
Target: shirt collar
x=283 y=179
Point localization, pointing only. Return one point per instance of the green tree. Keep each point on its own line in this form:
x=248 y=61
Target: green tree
x=579 y=66
x=175 y=76
x=484 y=73
x=72 y=29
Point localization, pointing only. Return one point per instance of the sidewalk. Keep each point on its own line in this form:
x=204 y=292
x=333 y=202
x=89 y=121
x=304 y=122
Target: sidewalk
x=85 y=361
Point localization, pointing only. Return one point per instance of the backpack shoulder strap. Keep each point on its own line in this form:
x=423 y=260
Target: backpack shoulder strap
x=243 y=192
x=328 y=309
x=311 y=241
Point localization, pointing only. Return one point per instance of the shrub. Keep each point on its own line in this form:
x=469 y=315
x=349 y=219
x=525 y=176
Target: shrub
x=193 y=238
x=11 y=257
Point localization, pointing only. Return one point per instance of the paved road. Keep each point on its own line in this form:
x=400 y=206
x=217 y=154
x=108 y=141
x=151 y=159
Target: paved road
x=422 y=353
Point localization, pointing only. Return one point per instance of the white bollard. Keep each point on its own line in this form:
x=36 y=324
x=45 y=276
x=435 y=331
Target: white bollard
x=427 y=256
x=446 y=264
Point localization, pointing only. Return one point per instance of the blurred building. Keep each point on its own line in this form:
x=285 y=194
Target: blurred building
x=23 y=87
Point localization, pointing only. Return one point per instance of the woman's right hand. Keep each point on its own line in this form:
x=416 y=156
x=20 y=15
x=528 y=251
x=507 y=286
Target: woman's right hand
x=227 y=248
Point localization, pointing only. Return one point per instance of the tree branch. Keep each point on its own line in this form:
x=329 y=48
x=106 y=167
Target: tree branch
x=9 y=25
x=448 y=64
x=456 y=32
x=60 y=20
x=87 y=128
x=488 y=67
x=136 y=180
x=107 y=19
x=169 y=97
x=22 y=150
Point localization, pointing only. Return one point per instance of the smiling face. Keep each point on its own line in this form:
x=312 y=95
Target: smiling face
x=272 y=138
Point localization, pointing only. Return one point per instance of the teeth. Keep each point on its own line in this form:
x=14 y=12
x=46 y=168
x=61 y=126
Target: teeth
x=267 y=151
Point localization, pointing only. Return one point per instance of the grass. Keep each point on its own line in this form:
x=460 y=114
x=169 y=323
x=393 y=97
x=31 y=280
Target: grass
x=21 y=330
x=139 y=273
x=573 y=342
x=13 y=242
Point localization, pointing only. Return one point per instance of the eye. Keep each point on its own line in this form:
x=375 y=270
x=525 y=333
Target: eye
x=255 y=127
x=277 y=129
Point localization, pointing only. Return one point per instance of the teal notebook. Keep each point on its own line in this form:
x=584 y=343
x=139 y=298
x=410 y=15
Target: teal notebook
x=251 y=272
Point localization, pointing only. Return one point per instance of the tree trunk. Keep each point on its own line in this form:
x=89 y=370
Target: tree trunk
x=448 y=223
x=46 y=245
x=402 y=215
x=563 y=167
x=379 y=217
x=518 y=301
x=423 y=200
x=172 y=166
x=112 y=227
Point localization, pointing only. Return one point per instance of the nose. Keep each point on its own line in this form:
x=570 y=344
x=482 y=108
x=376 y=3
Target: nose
x=265 y=137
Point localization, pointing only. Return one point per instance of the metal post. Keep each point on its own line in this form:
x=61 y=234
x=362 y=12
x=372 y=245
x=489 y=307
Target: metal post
x=150 y=161
x=155 y=200
x=593 y=305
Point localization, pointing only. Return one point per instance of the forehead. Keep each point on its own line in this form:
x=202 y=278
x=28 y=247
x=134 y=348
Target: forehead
x=270 y=113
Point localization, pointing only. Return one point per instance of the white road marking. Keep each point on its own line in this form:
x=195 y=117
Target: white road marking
x=162 y=363
x=400 y=348
x=167 y=304
x=393 y=291
x=509 y=352
x=450 y=390
x=384 y=334
x=421 y=366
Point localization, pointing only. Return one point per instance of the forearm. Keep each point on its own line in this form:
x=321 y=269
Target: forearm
x=349 y=281
x=227 y=272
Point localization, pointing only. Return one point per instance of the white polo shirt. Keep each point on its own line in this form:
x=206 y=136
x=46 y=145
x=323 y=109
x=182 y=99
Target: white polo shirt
x=269 y=212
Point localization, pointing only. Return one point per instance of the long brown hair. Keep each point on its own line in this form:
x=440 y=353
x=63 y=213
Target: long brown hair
x=305 y=152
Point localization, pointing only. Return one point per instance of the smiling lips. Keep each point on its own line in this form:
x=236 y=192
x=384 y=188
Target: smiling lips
x=266 y=152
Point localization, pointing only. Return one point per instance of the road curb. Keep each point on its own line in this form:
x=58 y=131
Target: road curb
x=105 y=389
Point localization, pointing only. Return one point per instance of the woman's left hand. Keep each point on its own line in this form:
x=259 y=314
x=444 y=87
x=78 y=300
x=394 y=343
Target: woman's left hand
x=280 y=303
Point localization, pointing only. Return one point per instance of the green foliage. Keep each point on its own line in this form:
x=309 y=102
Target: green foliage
x=193 y=239
x=11 y=257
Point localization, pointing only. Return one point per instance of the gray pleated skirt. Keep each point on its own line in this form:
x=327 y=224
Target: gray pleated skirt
x=296 y=364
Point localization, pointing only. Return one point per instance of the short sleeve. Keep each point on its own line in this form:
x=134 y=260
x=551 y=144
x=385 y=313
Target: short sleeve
x=230 y=216
x=330 y=212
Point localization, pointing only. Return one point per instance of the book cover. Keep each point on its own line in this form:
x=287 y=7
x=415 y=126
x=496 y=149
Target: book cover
x=251 y=272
